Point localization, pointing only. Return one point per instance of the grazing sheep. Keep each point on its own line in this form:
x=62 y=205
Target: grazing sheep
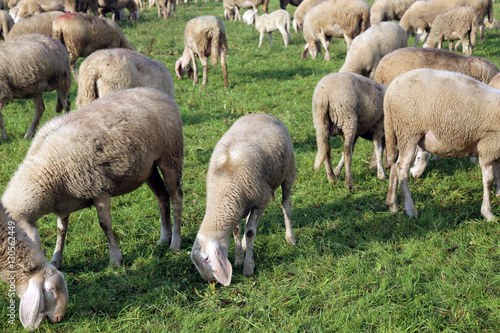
x=419 y=17
x=372 y=45
x=27 y=8
x=105 y=149
x=6 y=24
x=483 y=8
x=107 y=71
x=83 y=34
x=37 y=24
x=248 y=164
x=349 y=105
x=23 y=267
x=117 y=7
x=459 y=23
x=300 y=12
x=353 y=16
x=284 y=3
x=232 y=7
x=388 y=10
x=203 y=36
x=29 y=66
x=495 y=24
x=267 y=23
x=404 y=60
x=458 y=118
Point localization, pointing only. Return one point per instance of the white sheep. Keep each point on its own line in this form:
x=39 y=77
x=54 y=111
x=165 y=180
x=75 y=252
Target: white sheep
x=23 y=267
x=419 y=17
x=203 y=36
x=37 y=24
x=248 y=164
x=29 y=66
x=26 y=8
x=267 y=23
x=108 y=148
x=458 y=118
x=6 y=24
x=232 y=7
x=405 y=59
x=388 y=10
x=483 y=8
x=83 y=34
x=353 y=16
x=110 y=70
x=300 y=12
x=371 y=46
x=459 y=23
x=349 y=105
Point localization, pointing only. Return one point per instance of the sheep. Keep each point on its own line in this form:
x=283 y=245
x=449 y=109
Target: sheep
x=388 y=10
x=495 y=24
x=29 y=66
x=203 y=36
x=353 y=16
x=231 y=7
x=459 y=23
x=37 y=24
x=459 y=118
x=83 y=34
x=371 y=46
x=41 y=287
x=107 y=71
x=267 y=23
x=284 y=3
x=300 y=12
x=419 y=16
x=166 y=7
x=6 y=24
x=248 y=164
x=483 y=8
x=107 y=148
x=27 y=8
x=349 y=105
x=116 y=7
x=405 y=59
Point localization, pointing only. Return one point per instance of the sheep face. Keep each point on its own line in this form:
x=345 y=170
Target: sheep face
x=312 y=49
x=182 y=67
x=248 y=17
x=210 y=259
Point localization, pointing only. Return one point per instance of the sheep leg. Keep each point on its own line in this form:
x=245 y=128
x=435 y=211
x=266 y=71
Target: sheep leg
x=73 y=60
x=39 y=108
x=172 y=178
x=406 y=156
x=270 y=36
x=204 y=64
x=349 y=142
x=378 y=148
x=285 y=34
x=157 y=186
x=488 y=178
x=391 y=199
x=286 y=206
x=261 y=38
x=224 y=68
x=324 y=43
x=5 y=137
x=103 y=207
x=239 y=254
x=62 y=228
x=348 y=41
x=496 y=170
x=250 y=232
x=195 y=67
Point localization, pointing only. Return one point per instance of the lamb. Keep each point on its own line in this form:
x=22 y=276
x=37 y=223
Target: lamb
x=107 y=71
x=349 y=105
x=83 y=34
x=37 y=24
x=105 y=149
x=277 y=20
x=251 y=160
x=203 y=36
x=388 y=10
x=459 y=118
x=459 y=23
x=353 y=16
x=300 y=12
x=231 y=7
x=419 y=17
x=23 y=267
x=29 y=66
x=403 y=60
x=371 y=46
x=6 y=24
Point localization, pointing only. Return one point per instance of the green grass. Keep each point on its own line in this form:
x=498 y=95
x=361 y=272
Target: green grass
x=356 y=266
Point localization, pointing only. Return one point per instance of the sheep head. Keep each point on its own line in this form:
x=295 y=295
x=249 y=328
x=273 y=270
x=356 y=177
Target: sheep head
x=210 y=259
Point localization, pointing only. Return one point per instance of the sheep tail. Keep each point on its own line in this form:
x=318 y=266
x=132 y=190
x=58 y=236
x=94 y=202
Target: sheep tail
x=215 y=47
x=87 y=89
x=322 y=124
x=390 y=137
x=490 y=12
x=57 y=34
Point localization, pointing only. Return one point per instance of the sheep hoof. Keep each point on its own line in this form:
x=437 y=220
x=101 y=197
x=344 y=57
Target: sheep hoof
x=248 y=269
x=291 y=240
x=238 y=261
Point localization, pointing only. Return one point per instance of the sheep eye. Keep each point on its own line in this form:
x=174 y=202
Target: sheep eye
x=206 y=260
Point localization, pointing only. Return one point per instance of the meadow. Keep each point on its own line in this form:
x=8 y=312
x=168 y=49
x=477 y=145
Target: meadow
x=356 y=267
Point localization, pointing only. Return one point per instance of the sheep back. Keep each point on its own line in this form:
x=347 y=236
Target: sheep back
x=37 y=24
x=206 y=35
x=405 y=59
x=388 y=10
x=110 y=70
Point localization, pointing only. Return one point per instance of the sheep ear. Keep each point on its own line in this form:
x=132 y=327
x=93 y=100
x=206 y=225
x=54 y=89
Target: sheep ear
x=306 y=49
x=221 y=266
x=32 y=303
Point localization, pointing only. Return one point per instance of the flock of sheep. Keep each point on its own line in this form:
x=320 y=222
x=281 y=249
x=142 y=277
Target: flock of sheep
x=422 y=100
